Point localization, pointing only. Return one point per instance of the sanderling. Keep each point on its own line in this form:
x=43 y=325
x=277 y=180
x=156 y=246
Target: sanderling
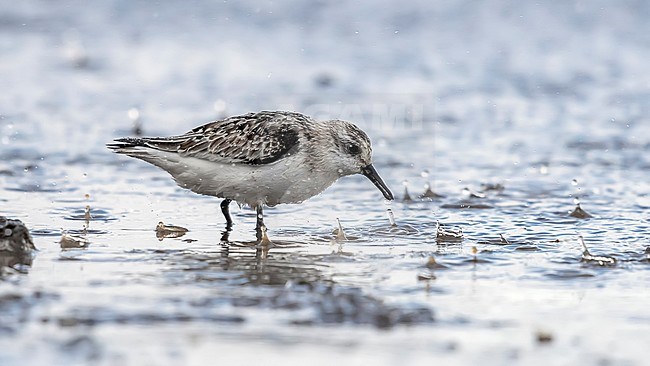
x=263 y=158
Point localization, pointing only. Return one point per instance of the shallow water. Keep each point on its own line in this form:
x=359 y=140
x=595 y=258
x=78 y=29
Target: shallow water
x=550 y=101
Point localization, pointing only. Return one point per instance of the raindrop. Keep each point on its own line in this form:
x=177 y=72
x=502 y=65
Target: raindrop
x=133 y=113
x=543 y=169
x=74 y=51
x=220 y=107
x=134 y=116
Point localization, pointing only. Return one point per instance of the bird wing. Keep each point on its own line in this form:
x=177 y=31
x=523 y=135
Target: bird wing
x=252 y=138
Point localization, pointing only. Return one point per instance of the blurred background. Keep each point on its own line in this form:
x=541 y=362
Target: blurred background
x=529 y=65
x=549 y=99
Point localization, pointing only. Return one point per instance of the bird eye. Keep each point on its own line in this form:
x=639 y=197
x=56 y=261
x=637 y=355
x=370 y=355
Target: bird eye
x=354 y=149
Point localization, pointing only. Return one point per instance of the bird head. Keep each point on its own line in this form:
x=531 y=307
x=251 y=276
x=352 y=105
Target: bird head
x=354 y=154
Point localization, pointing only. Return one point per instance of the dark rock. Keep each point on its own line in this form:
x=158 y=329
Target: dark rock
x=14 y=237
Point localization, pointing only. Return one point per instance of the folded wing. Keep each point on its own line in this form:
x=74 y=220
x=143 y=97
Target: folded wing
x=253 y=138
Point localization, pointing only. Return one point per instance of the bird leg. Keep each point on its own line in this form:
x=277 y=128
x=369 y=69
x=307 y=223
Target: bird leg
x=260 y=223
x=226 y=213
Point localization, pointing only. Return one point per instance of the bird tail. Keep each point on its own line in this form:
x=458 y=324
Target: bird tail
x=129 y=145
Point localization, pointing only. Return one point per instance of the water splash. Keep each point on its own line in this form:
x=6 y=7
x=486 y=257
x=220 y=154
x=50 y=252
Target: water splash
x=407 y=197
x=340 y=234
x=448 y=234
x=391 y=217
x=599 y=260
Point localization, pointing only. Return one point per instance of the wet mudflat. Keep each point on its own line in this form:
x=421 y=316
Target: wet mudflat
x=512 y=113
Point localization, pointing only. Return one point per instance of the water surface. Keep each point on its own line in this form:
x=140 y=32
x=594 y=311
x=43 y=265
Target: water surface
x=546 y=104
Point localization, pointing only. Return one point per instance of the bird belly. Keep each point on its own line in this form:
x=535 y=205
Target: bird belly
x=286 y=181
x=307 y=185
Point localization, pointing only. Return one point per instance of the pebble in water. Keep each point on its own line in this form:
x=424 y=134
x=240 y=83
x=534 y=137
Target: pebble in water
x=169 y=231
x=579 y=213
x=15 y=238
x=69 y=241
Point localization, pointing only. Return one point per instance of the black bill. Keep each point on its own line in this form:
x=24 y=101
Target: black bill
x=370 y=172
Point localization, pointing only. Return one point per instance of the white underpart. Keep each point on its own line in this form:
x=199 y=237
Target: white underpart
x=288 y=180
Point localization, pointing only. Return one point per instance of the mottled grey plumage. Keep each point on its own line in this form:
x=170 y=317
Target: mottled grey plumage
x=252 y=138
x=263 y=158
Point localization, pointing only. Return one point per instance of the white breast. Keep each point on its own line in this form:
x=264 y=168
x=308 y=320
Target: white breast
x=286 y=181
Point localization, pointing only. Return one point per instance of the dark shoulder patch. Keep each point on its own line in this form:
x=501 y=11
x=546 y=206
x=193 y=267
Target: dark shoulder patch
x=282 y=141
x=252 y=138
